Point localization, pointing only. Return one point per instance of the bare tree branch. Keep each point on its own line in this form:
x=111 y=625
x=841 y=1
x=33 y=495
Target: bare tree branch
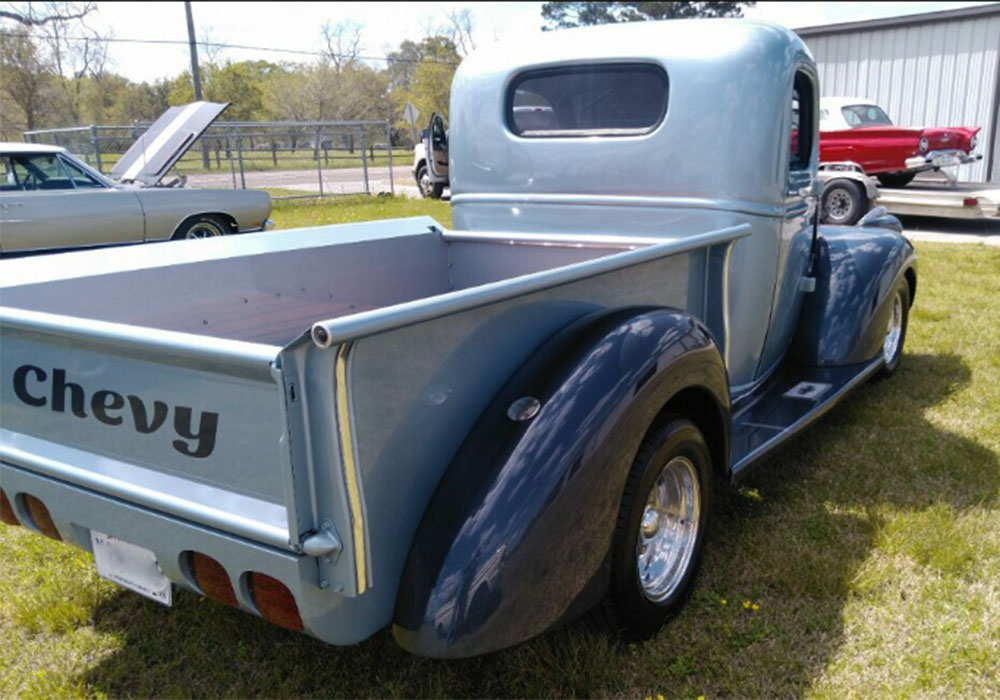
x=57 y=12
x=460 y=29
x=343 y=42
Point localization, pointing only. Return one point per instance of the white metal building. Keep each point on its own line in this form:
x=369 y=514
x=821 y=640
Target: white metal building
x=931 y=69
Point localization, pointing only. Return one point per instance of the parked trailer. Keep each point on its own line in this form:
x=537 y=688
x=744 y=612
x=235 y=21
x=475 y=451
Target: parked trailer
x=472 y=435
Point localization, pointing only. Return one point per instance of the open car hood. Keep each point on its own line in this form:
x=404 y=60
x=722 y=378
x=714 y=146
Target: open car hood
x=163 y=143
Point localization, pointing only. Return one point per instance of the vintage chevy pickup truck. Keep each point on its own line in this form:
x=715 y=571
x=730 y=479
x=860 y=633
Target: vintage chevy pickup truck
x=472 y=435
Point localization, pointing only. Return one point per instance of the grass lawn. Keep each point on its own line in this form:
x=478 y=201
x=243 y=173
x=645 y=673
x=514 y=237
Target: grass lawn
x=316 y=211
x=864 y=560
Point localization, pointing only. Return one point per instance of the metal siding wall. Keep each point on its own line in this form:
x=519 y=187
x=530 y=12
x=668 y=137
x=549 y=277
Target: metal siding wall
x=931 y=74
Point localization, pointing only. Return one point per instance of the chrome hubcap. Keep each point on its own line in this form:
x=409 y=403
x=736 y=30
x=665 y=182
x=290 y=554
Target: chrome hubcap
x=203 y=230
x=425 y=183
x=894 y=330
x=839 y=205
x=669 y=530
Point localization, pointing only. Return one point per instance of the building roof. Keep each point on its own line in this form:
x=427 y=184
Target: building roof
x=905 y=20
x=17 y=147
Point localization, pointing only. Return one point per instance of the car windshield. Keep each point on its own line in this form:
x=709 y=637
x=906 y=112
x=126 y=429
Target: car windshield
x=865 y=115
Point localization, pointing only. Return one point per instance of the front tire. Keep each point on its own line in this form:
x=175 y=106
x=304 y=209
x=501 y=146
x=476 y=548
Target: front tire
x=842 y=204
x=660 y=532
x=202 y=226
x=895 y=179
x=895 y=332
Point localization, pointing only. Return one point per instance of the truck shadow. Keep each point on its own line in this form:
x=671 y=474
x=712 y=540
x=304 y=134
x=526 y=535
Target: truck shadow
x=766 y=618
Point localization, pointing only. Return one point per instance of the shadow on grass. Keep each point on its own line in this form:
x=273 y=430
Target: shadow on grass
x=790 y=543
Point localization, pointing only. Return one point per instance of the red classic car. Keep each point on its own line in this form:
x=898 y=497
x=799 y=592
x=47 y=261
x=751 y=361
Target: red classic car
x=854 y=130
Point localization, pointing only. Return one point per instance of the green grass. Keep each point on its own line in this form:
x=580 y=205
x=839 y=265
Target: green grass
x=863 y=560
x=316 y=211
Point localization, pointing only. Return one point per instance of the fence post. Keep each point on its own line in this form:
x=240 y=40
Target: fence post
x=229 y=157
x=319 y=164
x=364 y=160
x=388 y=144
x=95 y=142
x=239 y=155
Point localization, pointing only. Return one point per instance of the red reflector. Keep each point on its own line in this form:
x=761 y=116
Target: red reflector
x=275 y=602
x=6 y=511
x=40 y=517
x=212 y=579
x=970 y=202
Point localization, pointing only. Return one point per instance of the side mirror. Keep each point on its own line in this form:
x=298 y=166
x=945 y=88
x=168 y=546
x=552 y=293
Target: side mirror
x=880 y=218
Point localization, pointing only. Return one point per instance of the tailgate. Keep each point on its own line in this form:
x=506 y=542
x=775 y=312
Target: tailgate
x=190 y=426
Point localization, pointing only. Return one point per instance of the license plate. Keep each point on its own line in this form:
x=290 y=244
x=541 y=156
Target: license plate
x=945 y=161
x=131 y=566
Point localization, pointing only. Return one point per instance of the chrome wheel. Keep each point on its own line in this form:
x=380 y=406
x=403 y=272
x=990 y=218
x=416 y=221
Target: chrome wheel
x=839 y=205
x=894 y=330
x=426 y=186
x=668 y=532
x=204 y=229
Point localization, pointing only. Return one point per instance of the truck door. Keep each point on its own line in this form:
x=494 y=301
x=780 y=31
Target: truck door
x=795 y=246
x=437 y=149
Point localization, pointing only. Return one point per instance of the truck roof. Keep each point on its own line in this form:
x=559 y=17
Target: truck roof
x=724 y=133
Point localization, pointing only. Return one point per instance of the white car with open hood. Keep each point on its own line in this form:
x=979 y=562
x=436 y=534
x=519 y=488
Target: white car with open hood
x=50 y=200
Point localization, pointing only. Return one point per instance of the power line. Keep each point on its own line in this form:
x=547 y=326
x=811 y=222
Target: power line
x=243 y=47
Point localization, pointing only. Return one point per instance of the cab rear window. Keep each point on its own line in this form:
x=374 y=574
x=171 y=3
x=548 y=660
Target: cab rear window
x=597 y=100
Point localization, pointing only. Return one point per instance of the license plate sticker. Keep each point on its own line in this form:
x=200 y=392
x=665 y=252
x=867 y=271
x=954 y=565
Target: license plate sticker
x=130 y=566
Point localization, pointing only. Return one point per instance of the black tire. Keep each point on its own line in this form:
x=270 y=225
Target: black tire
x=902 y=295
x=895 y=179
x=843 y=203
x=627 y=610
x=428 y=188
x=202 y=226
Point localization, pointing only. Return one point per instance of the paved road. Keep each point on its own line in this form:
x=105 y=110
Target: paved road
x=927 y=228
x=339 y=181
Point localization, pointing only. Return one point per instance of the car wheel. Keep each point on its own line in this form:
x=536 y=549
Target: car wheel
x=424 y=183
x=660 y=531
x=895 y=330
x=843 y=203
x=895 y=179
x=202 y=226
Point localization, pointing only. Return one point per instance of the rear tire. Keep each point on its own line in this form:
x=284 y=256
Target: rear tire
x=660 y=533
x=202 y=226
x=895 y=179
x=843 y=203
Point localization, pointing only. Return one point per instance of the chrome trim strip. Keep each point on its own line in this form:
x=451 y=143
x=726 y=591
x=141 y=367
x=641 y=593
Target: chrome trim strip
x=725 y=301
x=603 y=200
x=345 y=328
x=352 y=479
x=144 y=487
x=230 y=357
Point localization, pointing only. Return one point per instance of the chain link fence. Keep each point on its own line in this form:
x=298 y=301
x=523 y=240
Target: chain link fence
x=288 y=159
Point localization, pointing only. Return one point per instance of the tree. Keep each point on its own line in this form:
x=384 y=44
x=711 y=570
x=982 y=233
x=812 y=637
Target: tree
x=32 y=16
x=25 y=84
x=562 y=15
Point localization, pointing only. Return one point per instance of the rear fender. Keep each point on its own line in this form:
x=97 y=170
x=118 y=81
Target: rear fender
x=843 y=321
x=520 y=525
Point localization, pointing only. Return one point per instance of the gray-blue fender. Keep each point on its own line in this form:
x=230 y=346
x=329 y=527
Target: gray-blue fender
x=843 y=321
x=515 y=539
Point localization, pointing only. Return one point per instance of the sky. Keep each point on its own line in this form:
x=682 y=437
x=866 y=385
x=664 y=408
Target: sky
x=296 y=25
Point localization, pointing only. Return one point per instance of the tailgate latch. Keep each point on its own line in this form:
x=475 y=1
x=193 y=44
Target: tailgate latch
x=322 y=543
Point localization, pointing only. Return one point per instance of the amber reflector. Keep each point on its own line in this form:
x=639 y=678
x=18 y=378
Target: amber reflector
x=6 y=512
x=40 y=516
x=212 y=579
x=275 y=602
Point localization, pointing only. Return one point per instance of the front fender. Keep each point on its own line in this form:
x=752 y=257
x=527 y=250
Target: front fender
x=843 y=321
x=519 y=526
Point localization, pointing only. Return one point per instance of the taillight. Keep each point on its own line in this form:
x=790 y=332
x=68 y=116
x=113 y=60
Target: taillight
x=924 y=144
x=7 y=514
x=212 y=579
x=973 y=141
x=274 y=601
x=40 y=517
x=970 y=202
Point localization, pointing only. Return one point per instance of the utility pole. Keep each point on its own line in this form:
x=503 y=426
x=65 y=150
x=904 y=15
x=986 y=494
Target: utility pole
x=195 y=77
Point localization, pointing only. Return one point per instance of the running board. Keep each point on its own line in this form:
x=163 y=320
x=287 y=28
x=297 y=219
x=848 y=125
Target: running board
x=786 y=404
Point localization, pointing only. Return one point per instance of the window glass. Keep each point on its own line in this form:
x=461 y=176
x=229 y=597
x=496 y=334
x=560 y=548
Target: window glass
x=40 y=171
x=80 y=177
x=800 y=139
x=9 y=179
x=609 y=100
x=865 y=115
